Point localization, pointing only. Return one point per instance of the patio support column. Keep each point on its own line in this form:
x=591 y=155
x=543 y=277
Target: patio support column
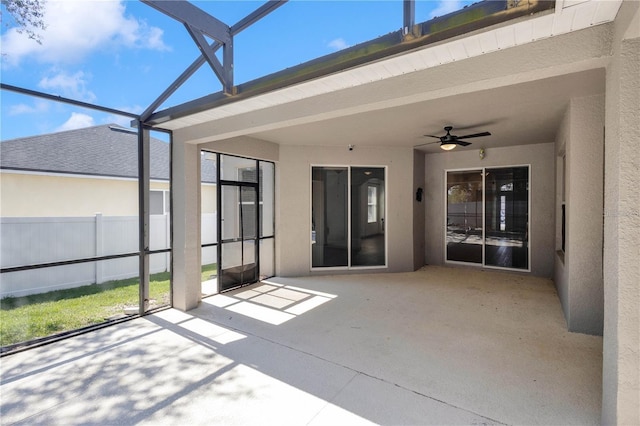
x=185 y=175
x=621 y=345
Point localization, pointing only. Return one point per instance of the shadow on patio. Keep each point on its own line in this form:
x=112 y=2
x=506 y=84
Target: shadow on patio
x=436 y=346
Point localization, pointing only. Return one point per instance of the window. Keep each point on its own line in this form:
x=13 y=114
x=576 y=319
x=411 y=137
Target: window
x=159 y=202
x=372 y=204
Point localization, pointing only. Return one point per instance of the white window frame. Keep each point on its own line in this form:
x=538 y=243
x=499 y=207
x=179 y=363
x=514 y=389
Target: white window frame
x=165 y=201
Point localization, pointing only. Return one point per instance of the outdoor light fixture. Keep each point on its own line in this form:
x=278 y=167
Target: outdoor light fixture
x=447 y=146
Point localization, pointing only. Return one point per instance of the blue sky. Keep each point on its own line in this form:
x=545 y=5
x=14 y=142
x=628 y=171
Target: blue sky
x=123 y=54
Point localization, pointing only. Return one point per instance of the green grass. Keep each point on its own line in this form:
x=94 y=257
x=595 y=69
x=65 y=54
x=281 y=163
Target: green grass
x=40 y=315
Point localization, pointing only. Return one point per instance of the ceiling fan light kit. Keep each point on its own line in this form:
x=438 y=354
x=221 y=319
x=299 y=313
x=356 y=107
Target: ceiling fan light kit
x=447 y=146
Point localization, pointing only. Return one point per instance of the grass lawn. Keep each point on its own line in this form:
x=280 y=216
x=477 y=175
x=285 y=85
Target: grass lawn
x=39 y=315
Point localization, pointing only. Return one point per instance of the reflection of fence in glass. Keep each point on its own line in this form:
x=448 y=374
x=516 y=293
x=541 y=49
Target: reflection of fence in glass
x=35 y=240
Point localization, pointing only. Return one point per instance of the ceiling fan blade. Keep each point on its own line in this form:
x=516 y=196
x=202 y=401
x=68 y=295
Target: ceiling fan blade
x=427 y=143
x=463 y=143
x=475 y=135
x=431 y=136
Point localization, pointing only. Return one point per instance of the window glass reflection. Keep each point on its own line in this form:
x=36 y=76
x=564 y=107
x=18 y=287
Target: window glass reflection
x=464 y=216
x=507 y=217
x=329 y=217
x=367 y=216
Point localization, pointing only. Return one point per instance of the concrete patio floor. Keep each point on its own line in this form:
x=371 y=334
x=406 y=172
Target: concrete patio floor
x=436 y=346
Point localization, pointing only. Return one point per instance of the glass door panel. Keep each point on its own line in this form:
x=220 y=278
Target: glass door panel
x=329 y=220
x=267 y=199
x=249 y=212
x=267 y=258
x=239 y=234
x=209 y=222
x=367 y=216
x=507 y=217
x=464 y=216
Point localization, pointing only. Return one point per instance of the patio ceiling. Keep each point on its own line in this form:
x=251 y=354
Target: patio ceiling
x=493 y=79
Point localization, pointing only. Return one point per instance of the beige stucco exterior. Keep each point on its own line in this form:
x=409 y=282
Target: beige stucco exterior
x=30 y=195
x=578 y=270
x=49 y=195
x=621 y=268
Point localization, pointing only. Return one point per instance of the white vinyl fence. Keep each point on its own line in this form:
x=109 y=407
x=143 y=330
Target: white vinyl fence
x=34 y=240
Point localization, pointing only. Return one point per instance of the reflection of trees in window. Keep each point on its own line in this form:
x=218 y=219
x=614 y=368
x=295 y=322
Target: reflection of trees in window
x=459 y=194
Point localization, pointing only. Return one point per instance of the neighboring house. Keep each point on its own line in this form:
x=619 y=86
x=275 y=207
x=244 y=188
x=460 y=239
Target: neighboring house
x=82 y=172
x=74 y=194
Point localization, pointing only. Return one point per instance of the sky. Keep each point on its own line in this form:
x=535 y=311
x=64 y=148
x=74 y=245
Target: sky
x=124 y=54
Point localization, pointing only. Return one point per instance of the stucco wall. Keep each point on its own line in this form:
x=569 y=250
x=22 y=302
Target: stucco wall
x=418 y=210
x=578 y=274
x=293 y=221
x=33 y=195
x=244 y=147
x=29 y=195
x=621 y=340
x=541 y=227
x=186 y=232
x=561 y=269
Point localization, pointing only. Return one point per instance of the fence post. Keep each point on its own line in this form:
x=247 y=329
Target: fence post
x=99 y=248
x=167 y=242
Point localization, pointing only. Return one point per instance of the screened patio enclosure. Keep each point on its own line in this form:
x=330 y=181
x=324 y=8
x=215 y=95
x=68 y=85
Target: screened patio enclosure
x=554 y=82
x=244 y=196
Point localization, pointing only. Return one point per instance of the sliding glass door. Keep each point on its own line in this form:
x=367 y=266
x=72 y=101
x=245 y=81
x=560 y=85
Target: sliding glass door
x=488 y=217
x=464 y=216
x=348 y=211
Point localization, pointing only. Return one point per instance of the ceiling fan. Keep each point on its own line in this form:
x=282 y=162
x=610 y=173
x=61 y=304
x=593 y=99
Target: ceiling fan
x=449 y=141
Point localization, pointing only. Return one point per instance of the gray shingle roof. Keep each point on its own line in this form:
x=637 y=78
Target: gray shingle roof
x=106 y=150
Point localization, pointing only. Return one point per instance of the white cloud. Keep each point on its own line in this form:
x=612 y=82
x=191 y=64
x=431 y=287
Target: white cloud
x=71 y=86
x=39 y=106
x=338 y=44
x=77 y=121
x=78 y=28
x=446 y=6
